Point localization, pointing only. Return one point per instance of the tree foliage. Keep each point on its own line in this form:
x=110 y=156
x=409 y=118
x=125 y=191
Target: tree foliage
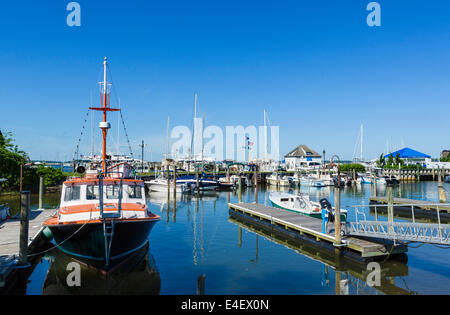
x=352 y=167
x=11 y=158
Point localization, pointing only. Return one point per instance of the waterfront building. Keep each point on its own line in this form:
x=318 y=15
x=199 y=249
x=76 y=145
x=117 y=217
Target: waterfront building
x=301 y=157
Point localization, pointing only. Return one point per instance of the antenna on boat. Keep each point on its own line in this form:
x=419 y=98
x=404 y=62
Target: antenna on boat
x=105 y=93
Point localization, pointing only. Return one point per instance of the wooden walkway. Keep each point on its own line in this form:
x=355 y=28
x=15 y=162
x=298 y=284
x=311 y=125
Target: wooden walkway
x=10 y=231
x=307 y=227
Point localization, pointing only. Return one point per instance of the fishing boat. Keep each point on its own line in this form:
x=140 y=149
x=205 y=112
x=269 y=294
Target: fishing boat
x=103 y=215
x=301 y=204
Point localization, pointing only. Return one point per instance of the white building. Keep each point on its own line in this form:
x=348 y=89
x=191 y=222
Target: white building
x=302 y=157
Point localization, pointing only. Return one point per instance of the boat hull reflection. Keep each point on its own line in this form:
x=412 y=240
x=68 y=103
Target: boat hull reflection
x=135 y=275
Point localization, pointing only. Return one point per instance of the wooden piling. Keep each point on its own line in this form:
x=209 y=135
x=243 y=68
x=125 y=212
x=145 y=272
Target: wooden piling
x=201 y=285
x=441 y=190
x=390 y=197
x=198 y=184
x=41 y=193
x=174 y=181
x=168 y=178
x=240 y=189
x=256 y=184
x=375 y=185
x=337 y=215
x=24 y=224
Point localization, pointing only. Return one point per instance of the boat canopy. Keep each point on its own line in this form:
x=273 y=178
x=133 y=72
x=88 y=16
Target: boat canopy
x=408 y=153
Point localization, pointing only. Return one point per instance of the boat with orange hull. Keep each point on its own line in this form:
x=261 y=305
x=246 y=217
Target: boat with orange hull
x=103 y=216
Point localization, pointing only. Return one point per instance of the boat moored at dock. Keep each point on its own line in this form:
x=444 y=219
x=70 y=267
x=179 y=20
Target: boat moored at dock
x=302 y=204
x=103 y=216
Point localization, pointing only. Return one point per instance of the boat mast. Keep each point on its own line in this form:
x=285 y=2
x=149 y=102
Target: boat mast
x=104 y=125
x=104 y=129
x=362 y=137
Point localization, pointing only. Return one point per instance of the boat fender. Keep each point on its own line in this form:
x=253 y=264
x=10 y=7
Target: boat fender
x=47 y=233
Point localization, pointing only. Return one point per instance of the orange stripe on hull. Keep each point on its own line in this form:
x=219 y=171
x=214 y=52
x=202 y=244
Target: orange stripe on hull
x=54 y=220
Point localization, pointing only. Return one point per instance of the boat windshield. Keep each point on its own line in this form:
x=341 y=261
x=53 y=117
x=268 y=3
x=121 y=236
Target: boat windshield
x=134 y=192
x=92 y=193
x=112 y=191
x=72 y=193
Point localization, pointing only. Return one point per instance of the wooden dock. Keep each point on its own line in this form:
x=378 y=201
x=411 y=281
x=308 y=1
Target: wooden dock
x=309 y=229
x=10 y=231
x=9 y=249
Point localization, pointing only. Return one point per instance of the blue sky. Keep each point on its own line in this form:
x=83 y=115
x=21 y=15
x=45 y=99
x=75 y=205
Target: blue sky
x=316 y=66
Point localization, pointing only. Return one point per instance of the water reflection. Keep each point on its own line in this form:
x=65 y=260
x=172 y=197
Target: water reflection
x=349 y=276
x=135 y=275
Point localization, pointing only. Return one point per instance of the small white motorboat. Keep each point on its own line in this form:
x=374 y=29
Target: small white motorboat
x=302 y=204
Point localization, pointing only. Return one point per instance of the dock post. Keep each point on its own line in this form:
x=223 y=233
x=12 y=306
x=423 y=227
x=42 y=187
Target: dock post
x=201 y=285
x=198 y=185
x=337 y=215
x=41 y=193
x=24 y=224
x=375 y=185
x=240 y=189
x=441 y=190
x=168 y=178
x=390 y=198
x=256 y=184
x=174 y=181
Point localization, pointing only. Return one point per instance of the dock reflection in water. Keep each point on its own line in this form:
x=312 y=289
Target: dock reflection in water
x=350 y=277
x=136 y=275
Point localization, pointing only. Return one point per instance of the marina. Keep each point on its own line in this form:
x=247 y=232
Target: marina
x=201 y=221
x=241 y=149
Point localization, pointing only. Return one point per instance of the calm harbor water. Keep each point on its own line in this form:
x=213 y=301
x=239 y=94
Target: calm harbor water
x=197 y=237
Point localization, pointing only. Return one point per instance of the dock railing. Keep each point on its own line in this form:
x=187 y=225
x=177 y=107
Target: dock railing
x=436 y=233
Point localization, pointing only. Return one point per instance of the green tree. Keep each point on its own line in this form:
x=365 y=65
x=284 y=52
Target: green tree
x=390 y=160
x=398 y=160
x=381 y=162
x=352 y=167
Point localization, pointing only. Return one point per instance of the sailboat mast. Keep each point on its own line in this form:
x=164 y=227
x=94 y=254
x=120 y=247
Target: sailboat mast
x=265 y=135
x=362 y=137
x=167 y=139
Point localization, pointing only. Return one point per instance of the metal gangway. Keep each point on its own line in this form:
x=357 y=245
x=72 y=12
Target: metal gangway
x=433 y=233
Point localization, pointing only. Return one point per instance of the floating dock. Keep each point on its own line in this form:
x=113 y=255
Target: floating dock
x=404 y=207
x=420 y=204
x=309 y=229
